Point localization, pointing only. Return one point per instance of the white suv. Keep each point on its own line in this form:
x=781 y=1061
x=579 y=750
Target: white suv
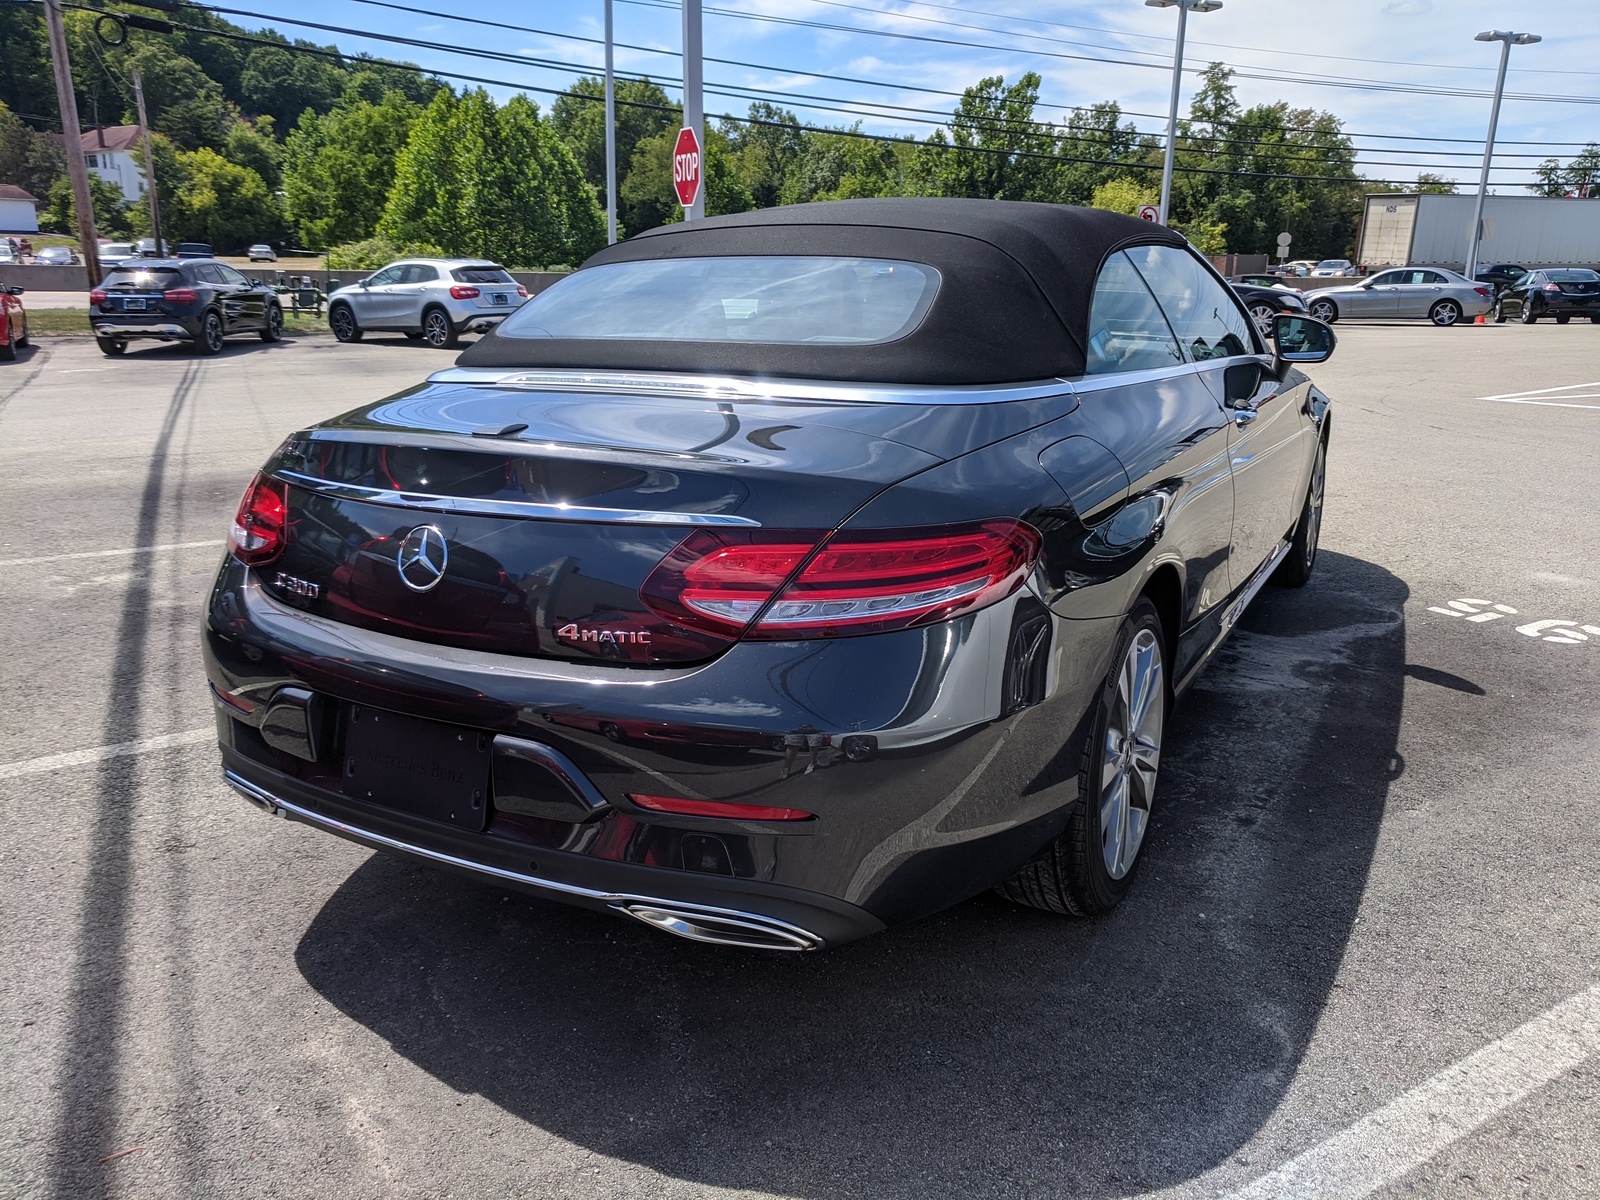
x=436 y=299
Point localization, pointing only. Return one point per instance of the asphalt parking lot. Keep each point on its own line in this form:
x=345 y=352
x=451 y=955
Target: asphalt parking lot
x=1363 y=956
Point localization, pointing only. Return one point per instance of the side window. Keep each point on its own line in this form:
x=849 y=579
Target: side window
x=385 y=277
x=418 y=273
x=1430 y=277
x=1126 y=329
x=208 y=273
x=1387 y=279
x=229 y=275
x=1206 y=317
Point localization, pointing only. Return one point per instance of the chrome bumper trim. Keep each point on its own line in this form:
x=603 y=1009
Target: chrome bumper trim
x=114 y=327
x=700 y=923
x=476 y=506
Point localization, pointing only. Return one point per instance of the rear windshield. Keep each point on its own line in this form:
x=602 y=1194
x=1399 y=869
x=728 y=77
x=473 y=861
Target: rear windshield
x=1574 y=275
x=771 y=299
x=482 y=275
x=142 y=277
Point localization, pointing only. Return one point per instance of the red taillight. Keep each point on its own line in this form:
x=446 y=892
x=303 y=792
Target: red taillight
x=715 y=808
x=260 y=528
x=865 y=581
x=180 y=295
x=98 y=296
x=1552 y=288
x=1481 y=291
x=463 y=293
x=522 y=291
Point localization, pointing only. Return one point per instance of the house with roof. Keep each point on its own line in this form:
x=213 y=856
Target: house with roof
x=19 y=212
x=109 y=154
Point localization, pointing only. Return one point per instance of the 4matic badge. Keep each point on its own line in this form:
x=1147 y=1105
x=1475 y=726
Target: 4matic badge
x=571 y=633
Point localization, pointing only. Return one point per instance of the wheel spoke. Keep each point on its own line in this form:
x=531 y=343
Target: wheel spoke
x=1114 y=824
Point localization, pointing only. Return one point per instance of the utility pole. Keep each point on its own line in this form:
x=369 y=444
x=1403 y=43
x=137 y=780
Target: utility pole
x=1507 y=40
x=611 y=137
x=89 y=244
x=150 y=162
x=693 y=104
x=1183 y=7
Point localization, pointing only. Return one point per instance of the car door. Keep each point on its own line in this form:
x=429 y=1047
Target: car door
x=1378 y=298
x=373 y=302
x=413 y=292
x=250 y=296
x=1415 y=292
x=1269 y=434
x=1515 y=297
x=1145 y=403
x=228 y=298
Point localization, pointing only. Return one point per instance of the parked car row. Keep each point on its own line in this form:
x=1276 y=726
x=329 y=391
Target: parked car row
x=1443 y=297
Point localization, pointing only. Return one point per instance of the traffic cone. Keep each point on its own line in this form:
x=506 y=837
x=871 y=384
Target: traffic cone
x=1482 y=319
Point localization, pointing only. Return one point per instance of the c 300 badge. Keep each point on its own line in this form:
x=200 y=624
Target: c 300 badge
x=635 y=637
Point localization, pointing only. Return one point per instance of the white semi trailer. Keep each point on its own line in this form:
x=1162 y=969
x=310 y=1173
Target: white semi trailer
x=1431 y=230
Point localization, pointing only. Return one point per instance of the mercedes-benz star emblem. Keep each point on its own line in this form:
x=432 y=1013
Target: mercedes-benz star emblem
x=422 y=558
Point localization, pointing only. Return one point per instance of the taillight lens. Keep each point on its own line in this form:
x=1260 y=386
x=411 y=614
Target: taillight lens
x=717 y=808
x=260 y=529
x=862 y=581
x=98 y=296
x=1550 y=287
x=180 y=295
x=522 y=291
x=1481 y=291
x=463 y=293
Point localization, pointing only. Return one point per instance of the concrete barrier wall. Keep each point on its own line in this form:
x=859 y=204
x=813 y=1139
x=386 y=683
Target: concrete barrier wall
x=45 y=279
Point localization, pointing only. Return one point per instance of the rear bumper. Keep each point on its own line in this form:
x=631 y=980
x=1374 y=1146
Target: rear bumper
x=165 y=328
x=925 y=789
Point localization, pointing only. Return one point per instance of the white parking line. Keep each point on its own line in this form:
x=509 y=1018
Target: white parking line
x=1405 y=1133
x=1572 y=392
x=77 y=758
x=44 y=558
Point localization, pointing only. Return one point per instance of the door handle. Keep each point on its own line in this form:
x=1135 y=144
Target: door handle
x=1243 y=416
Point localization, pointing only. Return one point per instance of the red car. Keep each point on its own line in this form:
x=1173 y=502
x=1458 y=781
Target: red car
x=13 y=323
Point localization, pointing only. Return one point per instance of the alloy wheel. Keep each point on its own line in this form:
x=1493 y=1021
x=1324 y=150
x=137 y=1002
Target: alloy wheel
x=1323 y=311
x=1529 y=316
x=343 y=322
x=436 y=329
x=1262 y=314
x=1132 y=753
x=1445 y=313
x=1319 y=477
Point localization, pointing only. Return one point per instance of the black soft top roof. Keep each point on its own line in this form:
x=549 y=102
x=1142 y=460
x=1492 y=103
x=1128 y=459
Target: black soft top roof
x=1013 y=304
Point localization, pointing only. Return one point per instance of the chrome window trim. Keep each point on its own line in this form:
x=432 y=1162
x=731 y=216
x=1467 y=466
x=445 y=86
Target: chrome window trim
x=1117 y=379
x=735 y=388
x=527 y=509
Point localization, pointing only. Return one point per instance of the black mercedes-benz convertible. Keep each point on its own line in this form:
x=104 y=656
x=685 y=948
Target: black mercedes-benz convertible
x=780 y=577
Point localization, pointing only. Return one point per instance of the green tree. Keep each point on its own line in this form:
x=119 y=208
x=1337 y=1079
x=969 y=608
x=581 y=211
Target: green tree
x=338 y=168
x=1093 y=146
x=762 y=151
x=169 y=182
x=1436 y=185
x=60 y=213
x=497 y=182
x=1123 y=196
x=30 y=160
x=1580 y=178
x=648 y=187
x=643 y=110
x=282 y=84
x=995 y=150
x=839 y=165
x=218 y=202
x=253 y=146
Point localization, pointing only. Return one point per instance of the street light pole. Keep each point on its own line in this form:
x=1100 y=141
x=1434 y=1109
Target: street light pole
x=1184 y=7
x=611 y=138
x=1507 y=39
x=693 y=104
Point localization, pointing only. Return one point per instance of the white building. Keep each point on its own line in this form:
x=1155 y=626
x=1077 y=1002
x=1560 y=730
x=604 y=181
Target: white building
x=19 y=212
x=108 y=153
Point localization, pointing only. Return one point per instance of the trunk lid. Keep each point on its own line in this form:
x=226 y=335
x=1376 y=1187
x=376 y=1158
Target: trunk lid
x=548 y=511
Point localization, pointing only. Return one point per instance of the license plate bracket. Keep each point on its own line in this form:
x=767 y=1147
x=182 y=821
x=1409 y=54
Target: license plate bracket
x=498 y=298
x=425 y=768
x=133 y=304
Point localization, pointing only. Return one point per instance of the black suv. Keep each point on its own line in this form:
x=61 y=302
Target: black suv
x=198 y=300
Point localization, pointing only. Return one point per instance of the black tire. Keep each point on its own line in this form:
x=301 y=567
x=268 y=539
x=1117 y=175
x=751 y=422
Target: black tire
x=21 y=340
x=342 y=320
x=1070 y=876
x=1295 y=570
x=1325 y=311
x=8 y=351
x=111 y=346
x=1529 y=316
x=1499 y=313
x=438 y=330
x=612 y=733
x=273 y=331
x=1595 y=320
x=1445 y=314
x=210 y=338
x=1563 y=320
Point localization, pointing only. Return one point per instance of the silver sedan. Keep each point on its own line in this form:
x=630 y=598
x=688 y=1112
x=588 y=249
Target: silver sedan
x=1441 y=296
x=435 y=299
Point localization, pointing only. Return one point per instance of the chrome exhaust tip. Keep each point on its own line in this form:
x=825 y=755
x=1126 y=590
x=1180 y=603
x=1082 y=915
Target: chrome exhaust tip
x=721 y=928
x=265 y=801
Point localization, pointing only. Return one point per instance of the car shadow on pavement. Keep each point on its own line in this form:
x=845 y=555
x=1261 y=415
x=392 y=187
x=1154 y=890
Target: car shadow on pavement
x=989 y=1050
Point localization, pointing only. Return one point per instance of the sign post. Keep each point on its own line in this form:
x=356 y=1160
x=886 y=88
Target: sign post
x=1283 y=247
x=694 y=205
x=687 y=172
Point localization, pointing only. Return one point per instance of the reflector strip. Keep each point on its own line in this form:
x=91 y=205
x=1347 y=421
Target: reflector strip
x=714 y=808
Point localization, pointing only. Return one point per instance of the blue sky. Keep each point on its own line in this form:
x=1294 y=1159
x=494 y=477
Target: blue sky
x=1308 y=54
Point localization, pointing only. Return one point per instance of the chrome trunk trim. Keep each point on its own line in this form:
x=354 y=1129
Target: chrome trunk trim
x=527 y=509
x=734 y=388
x=699 y=923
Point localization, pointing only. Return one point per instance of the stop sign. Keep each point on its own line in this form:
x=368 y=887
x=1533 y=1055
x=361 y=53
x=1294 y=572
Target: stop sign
x=686 y=167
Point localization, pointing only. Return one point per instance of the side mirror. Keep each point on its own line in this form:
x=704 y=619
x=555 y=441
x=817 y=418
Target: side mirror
x=363 y=283
x=1300 y=340
x=15 y=290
